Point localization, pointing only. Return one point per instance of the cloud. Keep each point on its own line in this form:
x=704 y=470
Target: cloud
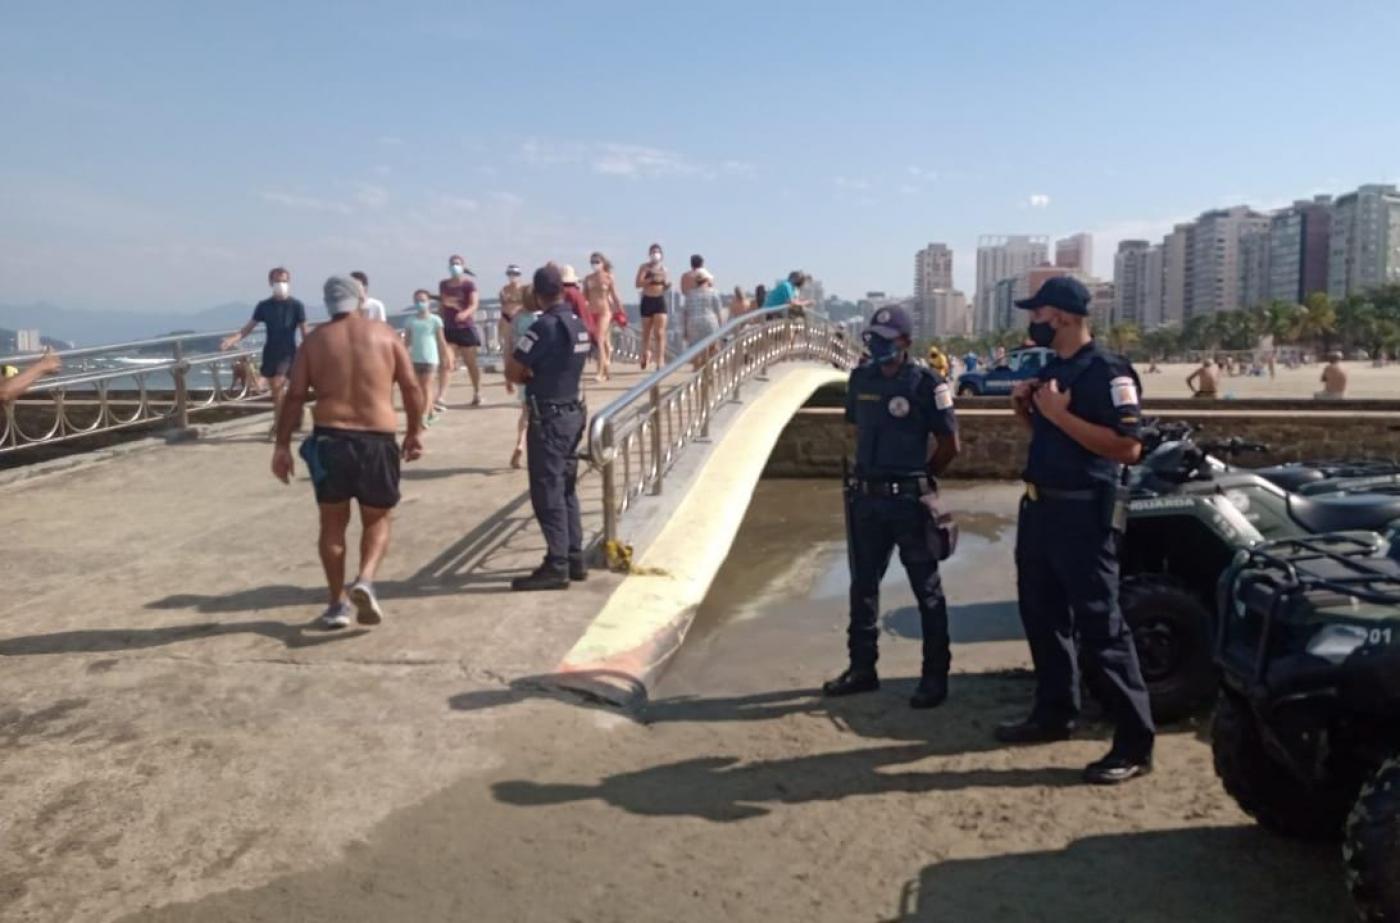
x=390 y=141
x=303 y=202
x=371 y=196
x=540 y=153
x=457 y=203
x=850 y=184
x=508 y=199
x=922 y=175
x=636 y=160
x=1038 y=200
x=910 y=190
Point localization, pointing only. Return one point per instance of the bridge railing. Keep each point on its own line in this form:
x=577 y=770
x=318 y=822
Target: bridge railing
x=636 y=439
x=170 y=378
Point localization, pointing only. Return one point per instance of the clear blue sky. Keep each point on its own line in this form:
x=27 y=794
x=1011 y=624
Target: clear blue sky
x=162 y=155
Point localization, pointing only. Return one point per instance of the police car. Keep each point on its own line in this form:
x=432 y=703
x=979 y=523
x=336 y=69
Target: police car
x=1020 y=364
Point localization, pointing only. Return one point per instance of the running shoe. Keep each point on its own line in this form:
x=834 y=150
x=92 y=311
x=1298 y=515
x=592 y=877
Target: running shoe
x=430 y=419
x=336 y=616
x=440 y=407
x=367 y=611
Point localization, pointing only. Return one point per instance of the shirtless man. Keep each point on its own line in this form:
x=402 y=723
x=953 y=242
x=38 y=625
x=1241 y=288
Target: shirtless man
x=653 y=283
x=352 y=363
x=1334 y=380
x=1205 y=375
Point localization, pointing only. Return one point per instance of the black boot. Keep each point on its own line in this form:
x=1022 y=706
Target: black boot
x=932 y=691
x=578 y=571
x=1033 y=731
x=851 y=682
x=545 y=577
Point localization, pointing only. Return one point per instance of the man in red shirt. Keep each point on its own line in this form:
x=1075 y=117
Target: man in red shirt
x=459 y=299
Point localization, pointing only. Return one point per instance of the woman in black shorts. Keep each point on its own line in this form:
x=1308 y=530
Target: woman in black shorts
x=460 y=300
x=653 y=283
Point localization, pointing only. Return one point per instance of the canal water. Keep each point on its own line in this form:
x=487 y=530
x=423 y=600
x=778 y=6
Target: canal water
x=780 y=599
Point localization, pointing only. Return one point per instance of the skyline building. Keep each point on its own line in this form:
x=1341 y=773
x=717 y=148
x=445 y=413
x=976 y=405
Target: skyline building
x=1003 y=256
x=1076 y=252
x=1213 y=267
x=1365 y=240
x=1129 y=264
x=1299 y=239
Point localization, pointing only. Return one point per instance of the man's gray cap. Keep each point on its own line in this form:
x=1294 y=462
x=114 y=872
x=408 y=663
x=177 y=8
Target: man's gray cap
x=343 y=295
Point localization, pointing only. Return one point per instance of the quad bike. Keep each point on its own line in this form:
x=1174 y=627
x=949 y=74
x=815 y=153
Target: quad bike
x=1306 y=736
x=1188 y=515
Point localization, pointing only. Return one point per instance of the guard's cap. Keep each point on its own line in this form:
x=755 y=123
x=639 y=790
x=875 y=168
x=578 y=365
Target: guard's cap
x=548 y=281
x=891 y=323
x=1063 y=292
x=343 y=295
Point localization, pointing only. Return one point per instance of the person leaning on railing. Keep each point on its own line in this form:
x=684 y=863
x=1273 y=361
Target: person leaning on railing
x=15 y=382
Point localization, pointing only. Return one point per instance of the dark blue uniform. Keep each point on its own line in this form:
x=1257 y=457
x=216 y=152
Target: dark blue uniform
x=894 y=418
x=555 y=349
x=1067 y=552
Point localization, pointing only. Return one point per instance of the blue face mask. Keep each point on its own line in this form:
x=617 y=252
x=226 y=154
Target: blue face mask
x=882 y=350
x=422 y=306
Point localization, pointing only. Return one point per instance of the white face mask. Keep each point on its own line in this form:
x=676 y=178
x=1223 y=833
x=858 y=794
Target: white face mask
x=281 y=289
x=455 y=269
x=656 y=257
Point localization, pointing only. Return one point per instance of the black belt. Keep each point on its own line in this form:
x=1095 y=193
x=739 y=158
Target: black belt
x=559 y=406
x=1036 y=492
x=892 y=487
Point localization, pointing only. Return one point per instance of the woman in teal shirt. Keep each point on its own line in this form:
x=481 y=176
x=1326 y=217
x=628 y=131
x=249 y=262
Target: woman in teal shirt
x=426 y=346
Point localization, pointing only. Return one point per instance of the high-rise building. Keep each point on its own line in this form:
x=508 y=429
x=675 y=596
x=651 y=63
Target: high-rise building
x=1151 y=288
x=1002 y=257
x=28 y=341
x=1076 y=252
x=1299 y=238
x=1177 y=250
x=1102 y=298
x=933 y=269
x=1129 y=264
x=1213 y=280
x=1254 y=283
x=1365 y=247
x=948 y=314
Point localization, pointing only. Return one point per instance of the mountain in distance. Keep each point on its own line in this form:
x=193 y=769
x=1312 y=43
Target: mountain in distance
x=82 y=327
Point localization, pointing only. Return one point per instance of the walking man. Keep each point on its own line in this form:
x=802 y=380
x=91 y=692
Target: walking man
x=1083 y=414
x=373 y=308
x=282 y=316
x=548 y=361
x=896 y=405
x=352 y=363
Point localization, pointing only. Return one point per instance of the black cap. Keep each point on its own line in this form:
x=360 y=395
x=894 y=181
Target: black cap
x=891 y=323
x=548 y=281
x=1063 y=292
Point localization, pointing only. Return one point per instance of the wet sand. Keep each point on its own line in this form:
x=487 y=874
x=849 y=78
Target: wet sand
x=741 y=795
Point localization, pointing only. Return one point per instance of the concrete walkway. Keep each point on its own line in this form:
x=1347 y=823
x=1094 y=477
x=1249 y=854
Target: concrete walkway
x=168 y=725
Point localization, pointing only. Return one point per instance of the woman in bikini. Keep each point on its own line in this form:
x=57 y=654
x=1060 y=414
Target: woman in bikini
x=512 y=299
x=601 y=290
x=653 y=283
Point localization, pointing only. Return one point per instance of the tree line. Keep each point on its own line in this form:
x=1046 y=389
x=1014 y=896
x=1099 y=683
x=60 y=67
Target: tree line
x=1366 y=321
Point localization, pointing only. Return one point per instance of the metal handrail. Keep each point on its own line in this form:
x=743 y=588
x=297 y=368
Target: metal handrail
x=636 y=439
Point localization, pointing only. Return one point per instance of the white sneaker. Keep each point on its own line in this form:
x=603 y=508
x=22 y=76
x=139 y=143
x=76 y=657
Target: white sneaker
x=367 y=611
x=335 y=616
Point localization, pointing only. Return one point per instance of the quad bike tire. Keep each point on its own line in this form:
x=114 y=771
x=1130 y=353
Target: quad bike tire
x=1263 y=787
x=1372 y=846
x=1172 y=633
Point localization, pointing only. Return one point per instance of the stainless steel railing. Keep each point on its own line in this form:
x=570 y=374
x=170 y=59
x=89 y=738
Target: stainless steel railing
x=635 y=440
x=171 y=378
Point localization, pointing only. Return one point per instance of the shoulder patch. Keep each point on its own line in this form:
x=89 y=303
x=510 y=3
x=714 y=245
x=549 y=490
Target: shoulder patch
x=1123 y=391
x=943 y=397
x=527 y=342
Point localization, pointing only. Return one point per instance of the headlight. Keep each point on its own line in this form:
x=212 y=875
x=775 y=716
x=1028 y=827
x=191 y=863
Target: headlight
x=1335 y=643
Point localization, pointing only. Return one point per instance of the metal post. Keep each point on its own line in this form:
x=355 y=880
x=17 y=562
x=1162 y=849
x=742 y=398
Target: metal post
x=705 y=382
x=656 y=437
x=609 y=488
x=182 y=393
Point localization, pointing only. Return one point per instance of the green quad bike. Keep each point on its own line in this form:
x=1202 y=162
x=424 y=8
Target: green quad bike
x=1188 y=514
x=1306 y=736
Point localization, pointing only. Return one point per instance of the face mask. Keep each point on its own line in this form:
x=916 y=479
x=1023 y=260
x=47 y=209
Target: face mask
x=596 y=265
x=656 y=257
x=1042 y=333
x=455 y=269
x=422 y=307
x=281 y=289
x=881 y=349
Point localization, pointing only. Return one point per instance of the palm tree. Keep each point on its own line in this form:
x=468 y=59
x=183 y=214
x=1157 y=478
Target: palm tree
x=1124 y=337
x=1319 y=320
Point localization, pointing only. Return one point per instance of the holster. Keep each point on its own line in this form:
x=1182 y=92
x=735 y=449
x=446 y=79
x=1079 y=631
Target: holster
x=942 y=528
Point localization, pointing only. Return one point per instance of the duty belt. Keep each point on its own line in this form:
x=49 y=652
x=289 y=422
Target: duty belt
x=555 y=408
x=892 y=487
x=1036 y=492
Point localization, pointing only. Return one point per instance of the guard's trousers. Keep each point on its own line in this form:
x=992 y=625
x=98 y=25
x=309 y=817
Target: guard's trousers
x=551 y=443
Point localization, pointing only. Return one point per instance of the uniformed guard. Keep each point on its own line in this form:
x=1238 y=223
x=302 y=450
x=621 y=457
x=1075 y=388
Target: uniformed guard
x=896 y=405
x=549 y=360
x=1083 y=413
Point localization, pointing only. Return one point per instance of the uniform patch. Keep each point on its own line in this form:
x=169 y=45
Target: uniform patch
x=527 y=342
x=882 y=317
x=943 y=397
x=1124 y=392
x=899 y=406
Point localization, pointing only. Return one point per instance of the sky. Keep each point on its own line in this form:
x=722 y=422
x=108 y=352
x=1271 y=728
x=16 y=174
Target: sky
x=161 y=156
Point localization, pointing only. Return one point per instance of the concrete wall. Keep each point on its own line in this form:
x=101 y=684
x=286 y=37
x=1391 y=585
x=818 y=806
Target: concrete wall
x=994 y=444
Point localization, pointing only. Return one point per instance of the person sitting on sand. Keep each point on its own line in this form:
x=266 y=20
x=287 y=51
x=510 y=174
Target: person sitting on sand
x=1334 y=380
x=1205 y=375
